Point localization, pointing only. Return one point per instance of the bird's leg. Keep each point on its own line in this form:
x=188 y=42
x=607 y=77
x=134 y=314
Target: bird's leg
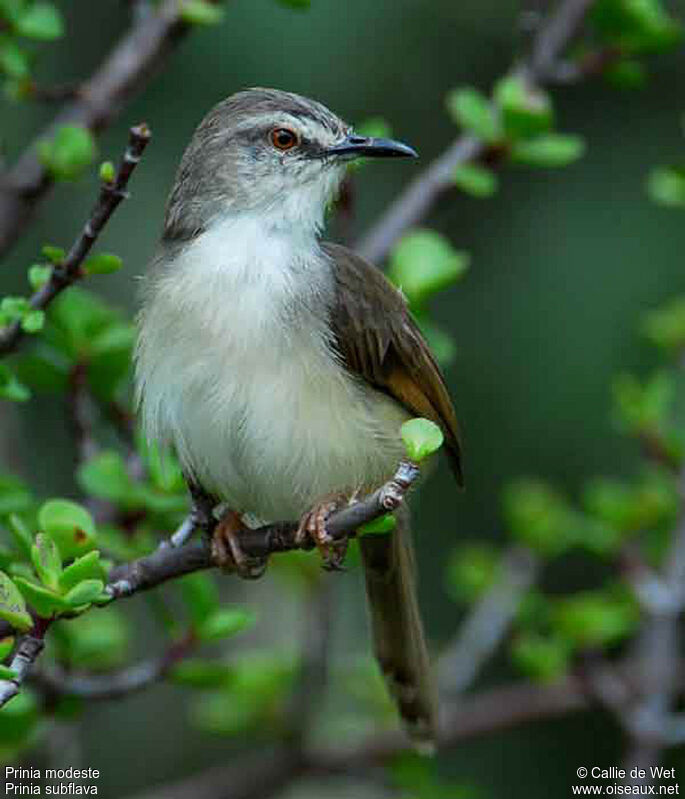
x=226 y=549
x=313 y=526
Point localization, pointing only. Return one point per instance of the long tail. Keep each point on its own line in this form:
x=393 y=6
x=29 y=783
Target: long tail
x=398 y=638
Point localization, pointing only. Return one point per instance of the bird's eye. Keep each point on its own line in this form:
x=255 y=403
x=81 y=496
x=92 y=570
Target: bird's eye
x=284 y=138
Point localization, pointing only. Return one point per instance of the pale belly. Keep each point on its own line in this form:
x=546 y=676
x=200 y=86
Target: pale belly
x=263 y=417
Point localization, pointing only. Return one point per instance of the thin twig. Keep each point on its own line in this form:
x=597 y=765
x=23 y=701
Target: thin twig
x=167 y=562
x=414 y=203
x=28 y=649
x=57 y=682
x=69 y=270
x=123 y=73
x=487 y=623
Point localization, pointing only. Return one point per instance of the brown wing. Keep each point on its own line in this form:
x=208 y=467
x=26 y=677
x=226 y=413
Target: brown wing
x=380 y=341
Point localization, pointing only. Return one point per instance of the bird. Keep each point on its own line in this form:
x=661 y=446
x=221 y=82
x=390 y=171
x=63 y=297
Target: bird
x=279 y=366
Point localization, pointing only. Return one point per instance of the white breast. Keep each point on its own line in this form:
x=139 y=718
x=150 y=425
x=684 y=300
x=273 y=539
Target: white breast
x=234 y=368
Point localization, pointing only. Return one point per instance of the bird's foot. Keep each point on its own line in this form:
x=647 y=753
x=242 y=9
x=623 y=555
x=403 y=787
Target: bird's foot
x=313 y=527
x=227 y=551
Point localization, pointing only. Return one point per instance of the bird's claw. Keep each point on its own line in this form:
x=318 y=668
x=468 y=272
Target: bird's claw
x=227 y=552
x=313 y=527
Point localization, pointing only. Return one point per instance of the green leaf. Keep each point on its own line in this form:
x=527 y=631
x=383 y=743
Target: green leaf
x=423 y=263
x=14 y=62
x=380 y=526
x=644 y=409
x=10 y=388
x=6 y=646
x=84 y=593
x=54 y=254
x=43 y=369
x=225 y=623
x=39 y=274
x=476 y=180
x=6 y=673
x=43 y=601
x=195 y=673
x=201 y=12
x=40 y=21
x=596 y=618
x=539 y=517
x=471 y=571
x=526 y=109
x=472 y=110
x=33 y=321
x=13 y=308
x=548 y=151
x=70 y=151
x=69 y=525
x=630 y=508
x=665 y=326
x=87 y=567
x=18 y=720
x=421 y=438
x=98 y=641
x=107 y=172
x=105 y=476
x=636 y=26
x=46 y=561
x=12 y=605
x=666 y=186
x=103 y=264
x=543 y=657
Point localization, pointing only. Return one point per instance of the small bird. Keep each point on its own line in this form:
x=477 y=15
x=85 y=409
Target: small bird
x=281 y=367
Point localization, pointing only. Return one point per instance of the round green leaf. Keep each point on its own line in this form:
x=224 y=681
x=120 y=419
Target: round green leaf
x=423 y=263
x=476 y=180
x=548 y=151
x=40 y=21
x=104 y=263
x=84 y=593
x=69 y=525
x=472 y=110
x=46 y=560
x=380 y=526
x=225 y=623
x=6 y=646
x=88 y=567
x=43 y=601
x=421 y=438
x=201 y=12
x=12 y=605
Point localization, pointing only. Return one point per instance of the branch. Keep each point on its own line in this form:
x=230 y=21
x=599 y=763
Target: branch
x=124 y=72
x=69 y=270
x=414 y=203
x=168 y=562
x=484 y=712
x=29 y=648
x=487 y=623
x=649 y=722
x=114 y=685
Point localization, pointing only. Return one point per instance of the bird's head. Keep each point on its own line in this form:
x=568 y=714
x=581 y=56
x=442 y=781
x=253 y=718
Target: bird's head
x=267 y=152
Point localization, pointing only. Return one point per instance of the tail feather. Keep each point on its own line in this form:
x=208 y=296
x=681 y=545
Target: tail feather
x=398 y=638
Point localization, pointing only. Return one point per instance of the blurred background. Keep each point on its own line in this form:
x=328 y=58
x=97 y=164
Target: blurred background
x=563 y=263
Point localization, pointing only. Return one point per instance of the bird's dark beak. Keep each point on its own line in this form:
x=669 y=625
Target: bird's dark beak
x=354 y=146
